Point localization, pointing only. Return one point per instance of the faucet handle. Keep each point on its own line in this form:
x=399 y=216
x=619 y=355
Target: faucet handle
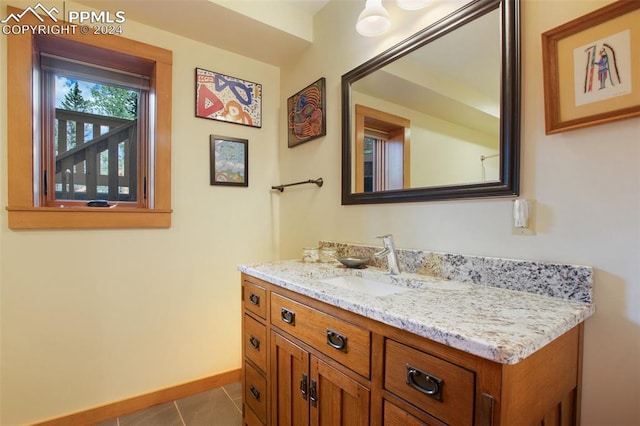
x=384 y=236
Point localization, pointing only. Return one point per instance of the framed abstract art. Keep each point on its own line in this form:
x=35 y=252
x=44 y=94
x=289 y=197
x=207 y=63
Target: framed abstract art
x=306 y=114
x=224 y=98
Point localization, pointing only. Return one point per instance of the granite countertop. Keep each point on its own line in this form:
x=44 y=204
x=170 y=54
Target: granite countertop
x=498 y=324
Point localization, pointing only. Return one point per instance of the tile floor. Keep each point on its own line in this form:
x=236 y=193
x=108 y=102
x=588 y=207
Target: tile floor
x=217 y=407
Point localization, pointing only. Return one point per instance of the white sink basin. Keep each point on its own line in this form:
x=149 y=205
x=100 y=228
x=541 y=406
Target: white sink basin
x=364 y=285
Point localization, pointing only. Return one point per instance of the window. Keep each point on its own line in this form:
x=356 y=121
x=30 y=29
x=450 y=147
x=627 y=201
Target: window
x=89 y=120
x=93 y=125
x=382 y=154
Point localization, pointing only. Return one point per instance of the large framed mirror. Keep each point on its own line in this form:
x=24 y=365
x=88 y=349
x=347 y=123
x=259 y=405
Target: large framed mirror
x=437 y=116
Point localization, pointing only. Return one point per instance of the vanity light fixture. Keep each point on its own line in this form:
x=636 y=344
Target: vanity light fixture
x=374 y=19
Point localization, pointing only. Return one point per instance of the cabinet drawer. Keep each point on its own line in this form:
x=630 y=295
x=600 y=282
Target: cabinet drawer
x=254 y=298
x=255 y=342
x=255 y=392
x=346 y=343
x=250 y=419
x=396 y=416
x=438 y=387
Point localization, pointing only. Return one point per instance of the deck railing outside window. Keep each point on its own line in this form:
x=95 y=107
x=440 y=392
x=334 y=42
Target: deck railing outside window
x=96 y=157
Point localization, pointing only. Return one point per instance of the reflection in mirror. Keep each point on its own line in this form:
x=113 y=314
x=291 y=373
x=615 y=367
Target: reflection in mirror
x=383 y=154
x=437 y=116
x=454 y=109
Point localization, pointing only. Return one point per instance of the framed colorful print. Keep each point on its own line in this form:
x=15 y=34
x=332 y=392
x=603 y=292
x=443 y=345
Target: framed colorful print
x=230 y=99
x=306 y=114
x=229 y=161
x=589 y=65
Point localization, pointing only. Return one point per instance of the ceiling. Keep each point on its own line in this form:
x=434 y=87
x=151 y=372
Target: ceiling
x=271 y=31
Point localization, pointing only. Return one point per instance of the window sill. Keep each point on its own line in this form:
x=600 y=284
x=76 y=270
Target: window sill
x=86 y=218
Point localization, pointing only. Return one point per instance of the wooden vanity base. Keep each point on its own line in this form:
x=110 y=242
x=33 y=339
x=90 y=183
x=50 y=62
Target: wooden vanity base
x=308 y=362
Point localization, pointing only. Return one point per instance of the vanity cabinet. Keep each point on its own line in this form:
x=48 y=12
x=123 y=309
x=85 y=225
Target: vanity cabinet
x=309 y=362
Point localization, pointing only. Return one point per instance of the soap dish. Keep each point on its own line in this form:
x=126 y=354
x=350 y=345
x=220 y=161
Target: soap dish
x=354 y=261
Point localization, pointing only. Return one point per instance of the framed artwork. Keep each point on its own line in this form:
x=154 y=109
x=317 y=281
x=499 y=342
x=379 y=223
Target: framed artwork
x=229 y=161
x=589 y=65
x=230 y=99
x=306 y=112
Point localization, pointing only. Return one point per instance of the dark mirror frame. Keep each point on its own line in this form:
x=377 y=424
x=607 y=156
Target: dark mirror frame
x=508 y=185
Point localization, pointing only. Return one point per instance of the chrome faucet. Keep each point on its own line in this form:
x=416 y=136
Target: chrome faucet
x=389 y=250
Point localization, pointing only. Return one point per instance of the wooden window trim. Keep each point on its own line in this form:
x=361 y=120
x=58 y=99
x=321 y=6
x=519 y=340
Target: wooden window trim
x=400 y=125
x=23 y=209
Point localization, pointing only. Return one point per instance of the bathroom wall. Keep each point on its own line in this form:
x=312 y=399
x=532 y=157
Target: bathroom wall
x=92 y=317
x=585 y=182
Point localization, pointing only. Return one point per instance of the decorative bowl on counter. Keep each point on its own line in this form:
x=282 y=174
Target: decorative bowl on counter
x=354 y=261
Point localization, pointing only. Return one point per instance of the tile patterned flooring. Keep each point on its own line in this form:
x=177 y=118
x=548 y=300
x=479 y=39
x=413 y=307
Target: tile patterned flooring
x=217 y=407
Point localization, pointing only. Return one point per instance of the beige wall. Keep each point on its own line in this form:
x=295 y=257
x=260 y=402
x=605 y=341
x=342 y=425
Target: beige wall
x=134 y=311
x=586 y=184
x=91 y=317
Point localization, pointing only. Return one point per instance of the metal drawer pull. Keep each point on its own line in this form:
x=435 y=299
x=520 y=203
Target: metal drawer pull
x=254 y=299
x=303 y=386
x=255 y=343
x=336 y=340
x=288 y=316
x=313 y=394
x=424 y=382
x=255 y=393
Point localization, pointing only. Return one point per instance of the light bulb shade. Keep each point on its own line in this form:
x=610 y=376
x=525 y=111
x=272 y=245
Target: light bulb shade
x=412 y=4
x=374 y=19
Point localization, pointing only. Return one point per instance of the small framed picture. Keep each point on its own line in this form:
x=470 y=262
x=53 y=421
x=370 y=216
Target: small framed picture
x=229 y=161
x=589 y=65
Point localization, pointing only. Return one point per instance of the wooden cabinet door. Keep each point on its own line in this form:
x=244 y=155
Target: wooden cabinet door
x=289 y=383
x=336 y=399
